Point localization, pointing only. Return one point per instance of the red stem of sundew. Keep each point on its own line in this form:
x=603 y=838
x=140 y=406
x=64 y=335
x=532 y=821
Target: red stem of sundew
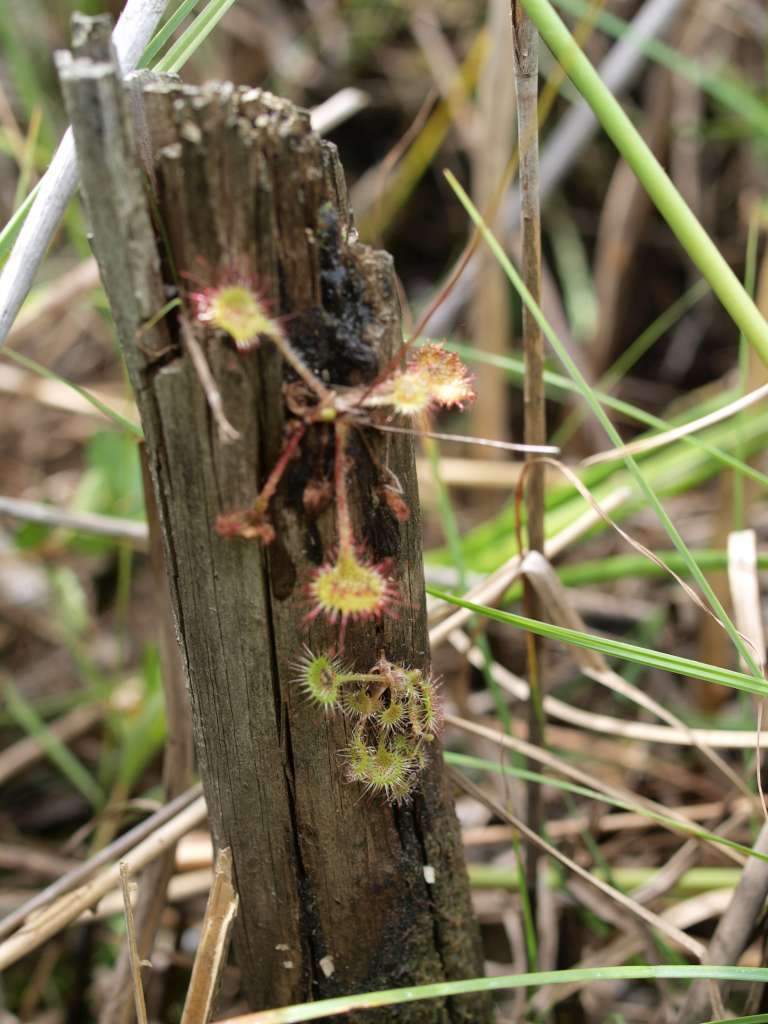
x=363 y=677
x=427 y=314
x=269 y=488
x=344 y=521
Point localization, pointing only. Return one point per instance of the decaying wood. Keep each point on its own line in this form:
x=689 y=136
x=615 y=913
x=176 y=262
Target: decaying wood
x=334 y=896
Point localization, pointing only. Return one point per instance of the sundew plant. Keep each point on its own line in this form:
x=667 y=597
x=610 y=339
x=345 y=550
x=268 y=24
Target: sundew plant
x=394 y=708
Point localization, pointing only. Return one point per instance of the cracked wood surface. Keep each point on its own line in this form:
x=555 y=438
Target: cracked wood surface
x=322 y=871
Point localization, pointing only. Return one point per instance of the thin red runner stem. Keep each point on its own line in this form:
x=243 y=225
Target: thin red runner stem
x=344 y=524
x=278 y=469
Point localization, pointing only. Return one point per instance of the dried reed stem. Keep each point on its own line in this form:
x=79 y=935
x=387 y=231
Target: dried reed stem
x=490 y=310
x=138 y=988
x=69 y=906
x=133 y=31
x=535 y=427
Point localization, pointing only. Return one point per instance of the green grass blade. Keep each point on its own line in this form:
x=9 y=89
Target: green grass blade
x=173 y=61
x=444 y=990
x=753 y=1018
x=165 y=32
x=668 y=201
x=693 y=882
x=674 y=824
x=634 y=352
x=194 y=36
x=557 y=383
x=42 y=371
x=576 y=375
x=28 y=719
x=736 y=96
x=669 y=471
x=615 y=648
x=621 y=567
x=750 y=282
x=13 y=225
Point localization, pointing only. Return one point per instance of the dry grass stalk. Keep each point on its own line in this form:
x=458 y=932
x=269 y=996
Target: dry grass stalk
x=214 y=942
x=338 y=108
x=34 y=861
x=685 y=430
x=445 y=71
x=734 y=930
x=584 y=778
x=719 y=739
x=471 y=473
x=133 y=31
x=136 y=964
x=674 y=934
x=554 y=598
x=615 y=821
x=493 y=140
x=182 y=888
x=84 y=871
x=526 y=62
x=497 y=582
x=739 y=920
x=745 y=589
x=686 y=914
x=86 y=522
x=66 y=908
x=744 y=585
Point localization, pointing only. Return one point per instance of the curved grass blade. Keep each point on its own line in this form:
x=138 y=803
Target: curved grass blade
x=564 y=356
x=70 y=766
x=165 y=32
x=615 y=648
x=668 y=201
x=42 y=371
x=559 y=383
x=731 y=93
x=467 y=761
x=194 y=36
x=444 y=990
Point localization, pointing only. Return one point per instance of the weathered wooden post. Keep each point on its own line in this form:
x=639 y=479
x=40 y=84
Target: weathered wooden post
x=339 y=892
